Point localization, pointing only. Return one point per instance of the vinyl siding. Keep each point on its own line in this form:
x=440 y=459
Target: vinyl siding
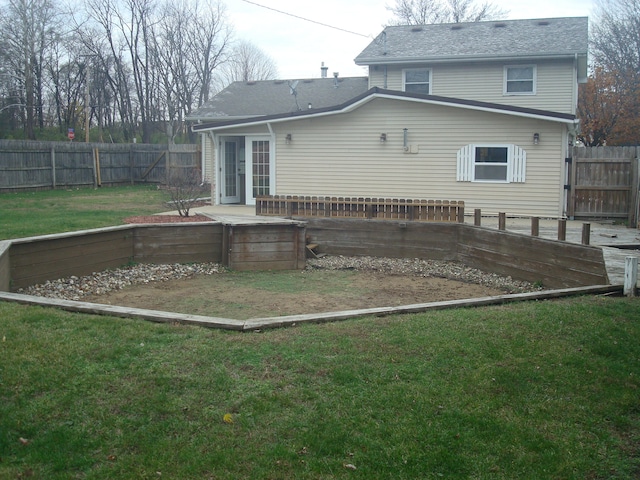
x=555 y=90
x=342 y=155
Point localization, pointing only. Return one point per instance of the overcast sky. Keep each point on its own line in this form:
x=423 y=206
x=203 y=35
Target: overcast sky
x=299 y=47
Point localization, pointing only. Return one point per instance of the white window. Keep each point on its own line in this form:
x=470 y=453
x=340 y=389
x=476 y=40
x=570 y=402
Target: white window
x=495 y=163
x=417 y=80
x=520 y=80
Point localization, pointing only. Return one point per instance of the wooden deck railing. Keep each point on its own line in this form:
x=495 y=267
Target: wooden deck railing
x=352 y=207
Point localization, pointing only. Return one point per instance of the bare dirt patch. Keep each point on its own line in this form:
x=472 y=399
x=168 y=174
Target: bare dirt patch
x=232 y=295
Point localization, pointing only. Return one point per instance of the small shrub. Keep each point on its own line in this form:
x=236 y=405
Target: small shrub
x=185 y=188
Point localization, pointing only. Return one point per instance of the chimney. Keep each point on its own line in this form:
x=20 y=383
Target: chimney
x=335 y=79
x=323 y=71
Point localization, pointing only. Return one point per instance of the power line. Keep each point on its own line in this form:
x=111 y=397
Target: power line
x=306 y=19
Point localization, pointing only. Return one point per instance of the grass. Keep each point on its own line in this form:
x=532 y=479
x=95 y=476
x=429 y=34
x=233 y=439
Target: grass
x=530 y=390
x=27 y=214
x=534 y=390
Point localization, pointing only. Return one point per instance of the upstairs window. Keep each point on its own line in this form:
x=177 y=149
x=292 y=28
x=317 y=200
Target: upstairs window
x=520 y=80
x=417 y=80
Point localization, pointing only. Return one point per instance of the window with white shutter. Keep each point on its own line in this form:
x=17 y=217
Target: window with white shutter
x=495 y=163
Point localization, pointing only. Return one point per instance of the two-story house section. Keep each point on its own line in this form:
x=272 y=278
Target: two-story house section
x=479 y=112
x=526 y=63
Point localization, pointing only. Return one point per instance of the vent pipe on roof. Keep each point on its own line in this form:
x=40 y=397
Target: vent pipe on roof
x=335 y=79
x=323 y=71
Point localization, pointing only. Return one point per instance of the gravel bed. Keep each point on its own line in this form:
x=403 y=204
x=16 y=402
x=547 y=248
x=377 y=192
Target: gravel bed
x=100 y=283
x=422 y=268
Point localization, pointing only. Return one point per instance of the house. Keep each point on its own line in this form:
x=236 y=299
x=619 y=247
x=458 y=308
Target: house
x=241 y=100
x=481 y=112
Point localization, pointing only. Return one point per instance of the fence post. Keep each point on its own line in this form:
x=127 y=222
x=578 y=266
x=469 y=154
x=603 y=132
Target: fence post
x=502 y=221
x=630 y=276
x=586 y=233
x=53 y=167
x=477 y=217
x=131 y=162
x=535 y=226
x=562 y=229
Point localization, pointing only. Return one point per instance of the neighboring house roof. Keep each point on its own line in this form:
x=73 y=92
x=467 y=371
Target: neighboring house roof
x=479 y=41
x=376 y=92
x=268 y=97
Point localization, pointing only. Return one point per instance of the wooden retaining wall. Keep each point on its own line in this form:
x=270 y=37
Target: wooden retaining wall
x=435 y=241
x=33 y=260
x=555 y=264
x=264 y=247
x=168 y=243
x=38 y=259
x=359 y=207
x=5 y=266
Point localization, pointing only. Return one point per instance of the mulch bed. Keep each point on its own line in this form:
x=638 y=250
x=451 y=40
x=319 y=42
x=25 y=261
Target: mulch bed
x=167 y=219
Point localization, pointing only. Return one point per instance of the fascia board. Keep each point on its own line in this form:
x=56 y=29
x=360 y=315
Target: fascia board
x=463 y=59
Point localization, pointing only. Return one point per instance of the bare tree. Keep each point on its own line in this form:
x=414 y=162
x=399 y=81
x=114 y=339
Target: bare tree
x=615 y=38
x=247 y=63
x=209 y=36
x=615 y=42
x=28 y=29
x=424 y=12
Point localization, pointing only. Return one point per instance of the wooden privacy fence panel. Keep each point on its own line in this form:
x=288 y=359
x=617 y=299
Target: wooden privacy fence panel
x=29 y=165
x=604 y=183
x=359 y=207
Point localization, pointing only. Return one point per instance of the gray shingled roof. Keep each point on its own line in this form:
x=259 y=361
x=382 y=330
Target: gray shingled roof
x=376 y=91
x=269 y=97
x=549 y=37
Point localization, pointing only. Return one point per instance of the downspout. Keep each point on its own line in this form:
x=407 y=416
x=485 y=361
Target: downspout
x=203 y=160
x=575 y=84
x=215 y=177
x=272 y=162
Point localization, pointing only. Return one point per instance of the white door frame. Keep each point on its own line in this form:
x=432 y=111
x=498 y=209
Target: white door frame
x=225 y=174
x=252 y=171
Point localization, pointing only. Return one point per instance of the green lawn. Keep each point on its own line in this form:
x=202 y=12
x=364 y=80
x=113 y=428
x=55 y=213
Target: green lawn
x=532 y=390
x=37 y=213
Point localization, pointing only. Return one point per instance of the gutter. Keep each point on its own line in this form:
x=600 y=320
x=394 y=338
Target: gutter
x=467 y=58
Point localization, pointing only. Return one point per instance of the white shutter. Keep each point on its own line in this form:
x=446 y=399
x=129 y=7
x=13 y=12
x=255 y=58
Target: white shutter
x=518 y=164
x=465 y=163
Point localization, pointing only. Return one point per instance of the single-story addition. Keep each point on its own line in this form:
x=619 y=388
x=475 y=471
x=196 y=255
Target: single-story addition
x=393 y=144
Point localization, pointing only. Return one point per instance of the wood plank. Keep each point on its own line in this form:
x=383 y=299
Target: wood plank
x=292 y=320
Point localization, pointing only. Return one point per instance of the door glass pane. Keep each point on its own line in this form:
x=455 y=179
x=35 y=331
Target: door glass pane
x=230 y=178
x=260 y=161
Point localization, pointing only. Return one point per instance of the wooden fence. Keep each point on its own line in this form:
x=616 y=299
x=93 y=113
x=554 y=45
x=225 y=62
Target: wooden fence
x=603 y=183
x=370 y=208
x=26 y=165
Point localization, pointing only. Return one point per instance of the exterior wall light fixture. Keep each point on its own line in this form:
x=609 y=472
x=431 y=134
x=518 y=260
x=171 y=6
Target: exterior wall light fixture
x=383 y=137
x=536 y=138
x=287 y=139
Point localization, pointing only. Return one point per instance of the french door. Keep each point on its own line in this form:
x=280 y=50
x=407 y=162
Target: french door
x=259 y=158
x=230 y=181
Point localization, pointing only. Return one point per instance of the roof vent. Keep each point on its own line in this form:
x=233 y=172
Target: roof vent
x=499 y=25
x=417 y=28
x=456 y=27
x=307 y=80
x=278 y=82
x=543 y=23
x=251 y=82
